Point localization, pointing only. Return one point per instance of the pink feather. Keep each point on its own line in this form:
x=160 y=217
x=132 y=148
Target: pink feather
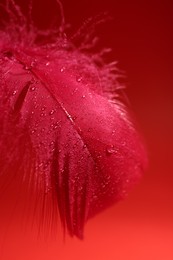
x=64 y=131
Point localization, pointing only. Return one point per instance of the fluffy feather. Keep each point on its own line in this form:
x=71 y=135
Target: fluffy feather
x=64 y=132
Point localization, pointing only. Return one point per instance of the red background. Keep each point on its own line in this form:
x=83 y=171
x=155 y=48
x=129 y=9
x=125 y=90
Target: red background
x=141 y=227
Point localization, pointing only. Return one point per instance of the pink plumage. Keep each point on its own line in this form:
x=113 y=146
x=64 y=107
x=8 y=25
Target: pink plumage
x=63 y=129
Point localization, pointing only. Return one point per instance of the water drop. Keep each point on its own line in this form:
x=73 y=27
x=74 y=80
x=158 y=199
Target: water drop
x=32 y=88
x=62 y=69
x=99 y=155
x=57 y=124
x=40 y=165
x=69 y=116
x=83 y=96
x=43 y=108
x=78 y=79
x=76 y=89
x=33 y=131
x=47 y=63
x=14 y=92
x=94 y=197
x=103 y=185
x=123 y=143
x=52 y=146
x=42 y=114
x=110 y=149
x=74 y=118
x=113 y=132
x=33 y=63
x=52 y=112
x=26 y=67
x=80 y=188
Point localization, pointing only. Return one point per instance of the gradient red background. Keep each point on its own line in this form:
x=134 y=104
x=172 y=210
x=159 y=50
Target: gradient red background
x=141 y=227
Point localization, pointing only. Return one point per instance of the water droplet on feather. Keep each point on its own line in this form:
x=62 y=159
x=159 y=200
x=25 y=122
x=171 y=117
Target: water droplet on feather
x=110 y=149
x=33 y=131
x=62 y=69
x=26 y=67
x=14 y=92
x=78 y=79
x=52 y=112
x=32 y=88
x=42 y=114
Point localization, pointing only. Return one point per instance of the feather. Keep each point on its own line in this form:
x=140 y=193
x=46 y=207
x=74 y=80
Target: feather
x=64 y=131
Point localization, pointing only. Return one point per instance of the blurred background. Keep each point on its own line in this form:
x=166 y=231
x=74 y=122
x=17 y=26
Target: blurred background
x=141 y=227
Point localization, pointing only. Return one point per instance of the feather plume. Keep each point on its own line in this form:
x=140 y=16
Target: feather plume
x=65 y=136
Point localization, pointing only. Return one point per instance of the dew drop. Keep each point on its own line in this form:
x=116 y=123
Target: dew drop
x=113 y=132
x=42 y=114
x=52 y=146
x=33 y=131
x=123 y=143
x=110 y=149
x=74 y=91
x=62 y=69
x=47 y=63
x=95 y=197
x=52 y=112
x=78 y=79
x=33 y=63
x=69 y=116
x=56 y=125
x=32 y=88
x=80 y=188
x=40 y=165
x=99 y=156
x=103 y=185
x=14 y=92
x=108 y=177
x=83 y=96
x=26 y=67
x=74 y=118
